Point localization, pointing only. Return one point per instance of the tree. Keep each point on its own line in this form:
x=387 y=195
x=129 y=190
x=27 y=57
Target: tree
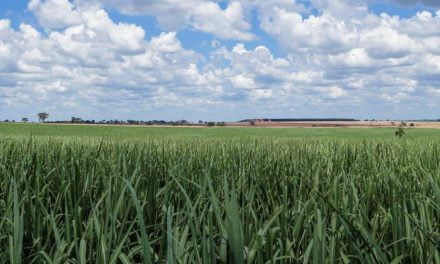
x=400 y=132
x=25 y=120
x=42 y=116
x=76 y=119
x=252 y=122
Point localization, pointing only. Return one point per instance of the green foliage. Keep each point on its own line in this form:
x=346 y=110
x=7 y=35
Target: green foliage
x=400 y=132
x=203 y=200
x=42 y=116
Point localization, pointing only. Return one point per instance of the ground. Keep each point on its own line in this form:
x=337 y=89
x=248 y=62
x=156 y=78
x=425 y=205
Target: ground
x=213 y=132
x=359 y=124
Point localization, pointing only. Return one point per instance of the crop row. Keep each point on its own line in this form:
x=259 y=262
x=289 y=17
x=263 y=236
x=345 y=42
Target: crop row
x=85 y=200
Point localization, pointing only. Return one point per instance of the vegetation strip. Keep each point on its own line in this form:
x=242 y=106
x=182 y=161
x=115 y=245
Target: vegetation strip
x=202 y=200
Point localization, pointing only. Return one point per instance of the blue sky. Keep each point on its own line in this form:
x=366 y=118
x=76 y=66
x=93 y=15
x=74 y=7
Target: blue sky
x=219 y=60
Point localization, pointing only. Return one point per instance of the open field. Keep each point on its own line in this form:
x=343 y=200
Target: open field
x=91 y=194
x=115 y=131
x=347 y=124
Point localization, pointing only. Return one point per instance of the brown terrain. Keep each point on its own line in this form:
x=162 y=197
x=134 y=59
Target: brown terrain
x=338 y=124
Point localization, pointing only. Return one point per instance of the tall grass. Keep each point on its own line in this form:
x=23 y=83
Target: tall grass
x=85 y=200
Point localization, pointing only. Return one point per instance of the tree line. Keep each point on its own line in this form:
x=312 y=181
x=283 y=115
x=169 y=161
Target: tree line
x=43 y=116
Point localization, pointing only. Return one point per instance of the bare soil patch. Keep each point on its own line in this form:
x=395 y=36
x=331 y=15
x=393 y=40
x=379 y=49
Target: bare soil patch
x=322 y=124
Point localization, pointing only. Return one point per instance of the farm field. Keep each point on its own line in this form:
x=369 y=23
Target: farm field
x=105 y=131
x=90 y=194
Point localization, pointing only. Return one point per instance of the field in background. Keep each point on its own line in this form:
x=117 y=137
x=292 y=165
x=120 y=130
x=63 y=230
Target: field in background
x=92 y=194
x=346 y=124
x=210 y=132
x=361 y=124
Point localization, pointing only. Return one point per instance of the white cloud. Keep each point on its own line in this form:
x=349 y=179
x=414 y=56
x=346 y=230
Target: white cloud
x=386 y=42
x=241 y=81
x=347 y=25
x=4 y=24
x=55 y=13
x=166 y=42
x=322 y=33
x=200 y=15
x=354 y=58
x=359 y=84
x=99 y=25
x=229 y=23
x=334 y=92
x=434 y=91
x=261 y=94
x=95 y=64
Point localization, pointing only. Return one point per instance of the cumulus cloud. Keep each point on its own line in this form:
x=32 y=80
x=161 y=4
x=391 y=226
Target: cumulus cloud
x=95 y=64
x=200 y=15
x=55 y=13
x=341 y=56
x=333 y=92
x=241 y=81
x=353 y=59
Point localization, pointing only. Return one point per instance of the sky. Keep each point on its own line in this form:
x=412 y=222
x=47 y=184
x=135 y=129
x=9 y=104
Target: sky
x=219 y=60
